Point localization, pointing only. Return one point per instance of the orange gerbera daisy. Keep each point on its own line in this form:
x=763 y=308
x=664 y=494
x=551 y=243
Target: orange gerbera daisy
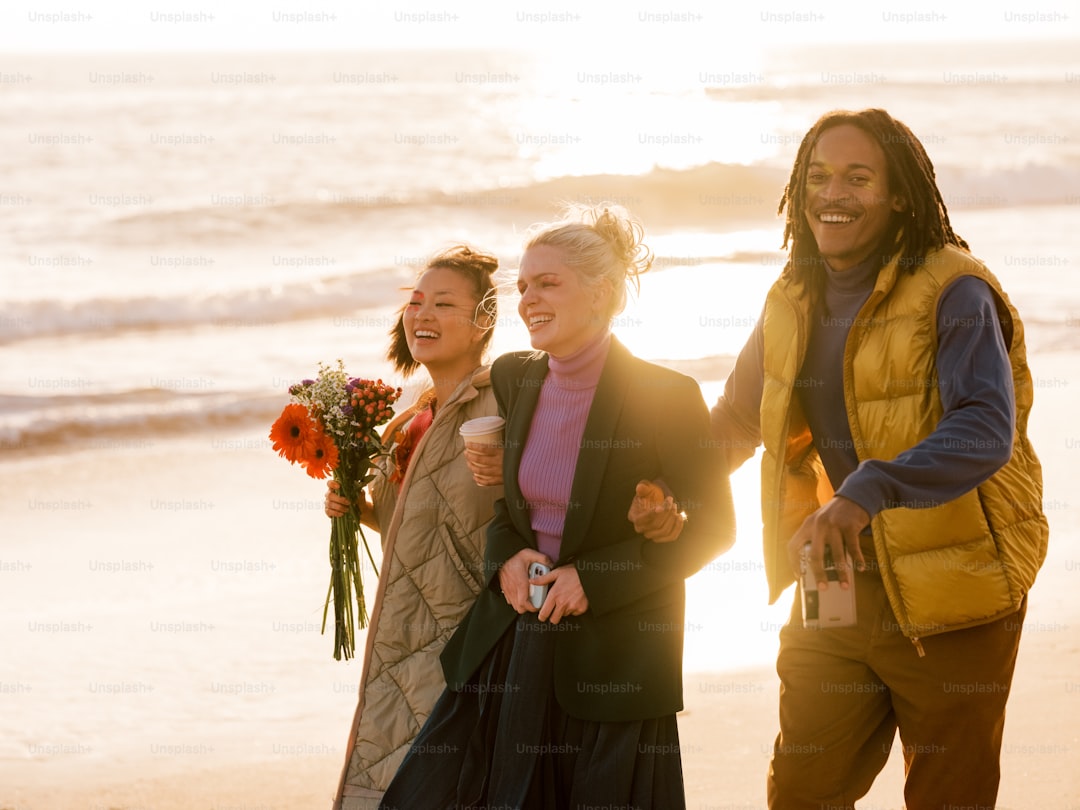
x=292 y=433
x=322 y=456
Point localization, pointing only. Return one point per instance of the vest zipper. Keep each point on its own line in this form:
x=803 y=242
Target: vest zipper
x=918 y=646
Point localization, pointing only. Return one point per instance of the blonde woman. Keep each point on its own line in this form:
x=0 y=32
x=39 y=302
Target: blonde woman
x=572 y=702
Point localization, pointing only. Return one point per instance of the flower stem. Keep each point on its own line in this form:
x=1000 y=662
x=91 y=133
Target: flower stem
x=345 y=574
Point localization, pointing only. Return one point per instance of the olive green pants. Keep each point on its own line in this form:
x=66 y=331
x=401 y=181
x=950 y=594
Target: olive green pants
x=844 y=692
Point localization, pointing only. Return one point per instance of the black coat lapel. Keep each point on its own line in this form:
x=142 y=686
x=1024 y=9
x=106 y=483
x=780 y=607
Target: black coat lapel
x=517 y=430
x=595 y=447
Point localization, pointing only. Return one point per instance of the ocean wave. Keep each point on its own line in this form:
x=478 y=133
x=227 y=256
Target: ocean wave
x=719 y=196
x=662 y=197
x=361 y=300
x=131 y=419
x=722 y=194
x=1012 y=187
x=715 y=198
x=713 y=368
x=124 y=419
x=341 y=297
x=823 y=83
x=712 y=194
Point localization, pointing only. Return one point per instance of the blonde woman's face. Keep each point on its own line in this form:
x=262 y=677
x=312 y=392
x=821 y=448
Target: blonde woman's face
x=560 y=312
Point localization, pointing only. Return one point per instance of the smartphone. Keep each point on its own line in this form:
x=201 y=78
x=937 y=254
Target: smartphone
x=832 y=608
x=538 y=593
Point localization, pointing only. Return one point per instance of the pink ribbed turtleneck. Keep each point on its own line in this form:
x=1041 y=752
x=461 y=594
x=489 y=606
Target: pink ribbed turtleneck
x=550 y=455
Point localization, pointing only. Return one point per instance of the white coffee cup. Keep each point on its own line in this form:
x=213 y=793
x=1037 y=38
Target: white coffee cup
x=486 y=430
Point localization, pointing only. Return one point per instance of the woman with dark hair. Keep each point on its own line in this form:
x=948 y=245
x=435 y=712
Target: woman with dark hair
x=431 y=514
x=562 y=687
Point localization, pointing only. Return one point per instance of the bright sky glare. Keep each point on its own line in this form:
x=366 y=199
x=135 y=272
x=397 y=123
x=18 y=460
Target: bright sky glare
x=653 y=25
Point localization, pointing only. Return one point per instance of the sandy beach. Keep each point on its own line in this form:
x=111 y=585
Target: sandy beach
x=175 y=661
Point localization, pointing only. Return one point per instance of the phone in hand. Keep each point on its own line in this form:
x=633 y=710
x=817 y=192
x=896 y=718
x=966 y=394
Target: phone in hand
x=834 y=607
x=538 y=593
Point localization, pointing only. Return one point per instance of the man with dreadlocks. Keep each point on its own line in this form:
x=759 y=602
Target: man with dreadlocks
x=888 y=382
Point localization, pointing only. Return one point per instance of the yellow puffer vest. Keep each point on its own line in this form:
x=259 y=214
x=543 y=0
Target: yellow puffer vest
x=966 y=562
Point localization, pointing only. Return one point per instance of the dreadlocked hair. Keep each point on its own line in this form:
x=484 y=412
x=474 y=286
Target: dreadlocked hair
x=478 y=268
x=921 y=227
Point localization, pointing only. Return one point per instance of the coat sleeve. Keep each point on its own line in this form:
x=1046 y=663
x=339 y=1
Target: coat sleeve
x=503 y=540
x=620 y=573
x=736 y=417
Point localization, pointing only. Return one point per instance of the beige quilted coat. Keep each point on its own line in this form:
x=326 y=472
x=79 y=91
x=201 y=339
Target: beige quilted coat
x=433 y=549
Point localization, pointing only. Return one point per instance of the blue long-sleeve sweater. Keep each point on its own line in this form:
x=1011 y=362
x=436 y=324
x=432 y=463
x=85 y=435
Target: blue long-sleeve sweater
x=973 y=438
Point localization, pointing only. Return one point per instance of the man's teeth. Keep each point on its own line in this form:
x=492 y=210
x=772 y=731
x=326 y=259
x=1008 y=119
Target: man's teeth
x=840 y=218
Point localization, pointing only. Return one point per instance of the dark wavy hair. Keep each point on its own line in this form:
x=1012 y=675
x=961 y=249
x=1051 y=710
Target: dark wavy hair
x=475 y=266
x=922 y=226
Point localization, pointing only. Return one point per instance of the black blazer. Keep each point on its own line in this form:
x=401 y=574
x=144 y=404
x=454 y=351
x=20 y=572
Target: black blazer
x=621 y=659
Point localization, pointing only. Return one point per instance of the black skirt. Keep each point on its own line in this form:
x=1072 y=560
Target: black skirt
x=503 y=742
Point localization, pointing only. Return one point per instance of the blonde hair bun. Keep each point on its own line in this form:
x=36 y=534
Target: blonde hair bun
x=601 y=241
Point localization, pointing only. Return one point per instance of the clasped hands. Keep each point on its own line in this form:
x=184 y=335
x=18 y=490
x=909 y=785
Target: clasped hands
x=565 y=596
x=653 y=515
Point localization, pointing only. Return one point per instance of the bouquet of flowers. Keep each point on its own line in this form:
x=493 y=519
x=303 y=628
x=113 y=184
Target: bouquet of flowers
x=329 y=429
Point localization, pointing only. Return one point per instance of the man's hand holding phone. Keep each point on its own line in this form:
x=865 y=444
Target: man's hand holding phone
x=823 y=554
x=836 y=526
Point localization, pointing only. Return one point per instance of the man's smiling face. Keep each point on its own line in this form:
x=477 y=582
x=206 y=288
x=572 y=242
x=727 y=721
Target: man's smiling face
x=848 y=202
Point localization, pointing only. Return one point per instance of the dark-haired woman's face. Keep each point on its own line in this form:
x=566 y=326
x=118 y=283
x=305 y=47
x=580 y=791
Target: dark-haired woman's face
x=848 y=202
x=439 y=327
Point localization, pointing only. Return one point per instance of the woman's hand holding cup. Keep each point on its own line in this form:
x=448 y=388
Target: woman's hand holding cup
x=483 y=438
